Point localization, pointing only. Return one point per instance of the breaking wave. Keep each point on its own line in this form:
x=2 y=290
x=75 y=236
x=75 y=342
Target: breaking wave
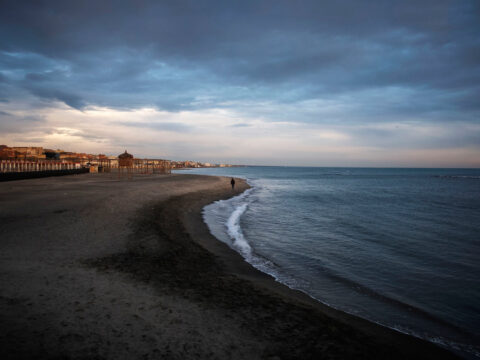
x=235 y=232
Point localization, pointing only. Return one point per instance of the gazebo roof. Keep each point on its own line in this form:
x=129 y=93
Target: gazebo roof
x=125 y=155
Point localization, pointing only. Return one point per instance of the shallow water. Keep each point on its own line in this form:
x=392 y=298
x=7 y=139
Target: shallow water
x=399 y=247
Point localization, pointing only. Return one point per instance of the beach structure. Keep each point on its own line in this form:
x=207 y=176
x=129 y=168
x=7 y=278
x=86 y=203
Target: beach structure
x=25 y=169
x=128 y=165
x=31 y=166
x=36 y=159
x=125 y=164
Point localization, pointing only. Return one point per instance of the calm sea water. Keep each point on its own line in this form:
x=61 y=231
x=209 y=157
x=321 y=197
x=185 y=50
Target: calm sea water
x=400 y=247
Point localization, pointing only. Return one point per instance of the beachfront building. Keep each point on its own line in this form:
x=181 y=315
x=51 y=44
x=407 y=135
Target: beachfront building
x=21 y=153
x=125 y=160
x=125 y=163
x=19 y=159
x=29 y=152
x=112 y=161
x=6 y=153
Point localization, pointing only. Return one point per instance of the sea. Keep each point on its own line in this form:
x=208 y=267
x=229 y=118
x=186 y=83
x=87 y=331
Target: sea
x=399 y=247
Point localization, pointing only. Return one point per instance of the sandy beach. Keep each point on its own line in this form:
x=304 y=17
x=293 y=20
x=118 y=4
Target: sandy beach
x=93 y=267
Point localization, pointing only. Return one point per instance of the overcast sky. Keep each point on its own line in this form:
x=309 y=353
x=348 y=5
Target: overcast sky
x=322 y=83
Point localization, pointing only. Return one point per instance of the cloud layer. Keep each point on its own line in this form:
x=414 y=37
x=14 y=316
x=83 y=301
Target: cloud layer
x=352 y=79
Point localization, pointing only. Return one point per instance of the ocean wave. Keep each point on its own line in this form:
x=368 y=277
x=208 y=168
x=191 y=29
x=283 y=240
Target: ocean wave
x=458 y=176
x=229 y=213
x=235 y=231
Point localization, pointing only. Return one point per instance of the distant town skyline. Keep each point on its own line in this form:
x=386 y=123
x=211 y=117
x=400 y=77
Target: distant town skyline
x=309 y=83
x=30 y=155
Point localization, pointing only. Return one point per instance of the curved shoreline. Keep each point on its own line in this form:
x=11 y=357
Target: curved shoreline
x=275 y=272
x=354 y=337
x=406 y=346
x=96 y=267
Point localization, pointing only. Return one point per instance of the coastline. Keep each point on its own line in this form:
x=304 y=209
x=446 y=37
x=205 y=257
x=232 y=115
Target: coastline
x=147 y=279
x=385 y=342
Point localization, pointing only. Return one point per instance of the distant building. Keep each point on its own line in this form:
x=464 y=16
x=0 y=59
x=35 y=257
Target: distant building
x=21 y=153
x=112 y=161
x=66 y=155
x=29 y=151
x=6 y=153
x=125 y=160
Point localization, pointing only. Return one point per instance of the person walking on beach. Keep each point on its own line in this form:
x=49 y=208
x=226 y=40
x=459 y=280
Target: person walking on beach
x=232 y=182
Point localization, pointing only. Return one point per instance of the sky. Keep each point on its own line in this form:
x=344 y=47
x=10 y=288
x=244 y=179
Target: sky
x=305 y=83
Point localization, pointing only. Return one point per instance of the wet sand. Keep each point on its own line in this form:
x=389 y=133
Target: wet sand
x=96 y=267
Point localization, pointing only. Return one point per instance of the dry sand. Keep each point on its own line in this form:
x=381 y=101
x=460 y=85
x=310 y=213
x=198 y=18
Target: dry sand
x=93 y=267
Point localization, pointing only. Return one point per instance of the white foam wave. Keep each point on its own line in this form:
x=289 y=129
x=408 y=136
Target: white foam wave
x=238 y=206
x=235 y=231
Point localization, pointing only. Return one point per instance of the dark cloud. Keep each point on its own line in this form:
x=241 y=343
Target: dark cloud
x=173 y=54
x=71 y=99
